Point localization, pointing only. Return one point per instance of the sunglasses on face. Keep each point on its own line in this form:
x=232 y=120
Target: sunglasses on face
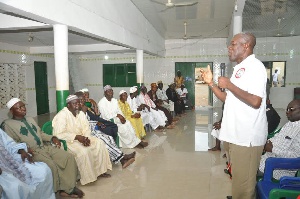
x=291 y=109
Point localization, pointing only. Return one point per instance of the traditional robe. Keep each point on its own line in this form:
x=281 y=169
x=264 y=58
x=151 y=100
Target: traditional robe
x=159 y=116
x=109 y=111
x=62 y=164
x=134 y=106
x=136 y=123
x=115 y=153
x=93 y=160
x=22 y=180
x=161 y=94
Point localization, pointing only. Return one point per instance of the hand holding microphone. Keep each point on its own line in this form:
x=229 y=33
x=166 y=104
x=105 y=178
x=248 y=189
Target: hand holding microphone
x=222 y=74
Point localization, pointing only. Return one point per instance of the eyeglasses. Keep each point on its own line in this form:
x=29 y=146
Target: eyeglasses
x=291 y=109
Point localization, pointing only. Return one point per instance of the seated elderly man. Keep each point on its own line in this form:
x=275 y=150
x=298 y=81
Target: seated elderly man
x=133 y=103
x=20 y=176
x=115 y=154
x=110 y=110
x=161 y=94
x=158 y=115
x=90 y=152
x=62 y=164
x=285 y=144
x=134 y=118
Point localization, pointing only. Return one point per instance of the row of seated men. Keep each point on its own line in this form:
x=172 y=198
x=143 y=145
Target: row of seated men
x=90 y=141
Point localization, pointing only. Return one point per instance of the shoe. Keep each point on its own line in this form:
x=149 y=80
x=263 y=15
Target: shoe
x=229 y=197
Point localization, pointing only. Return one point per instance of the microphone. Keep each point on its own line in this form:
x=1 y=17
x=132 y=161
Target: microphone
x=222 y=74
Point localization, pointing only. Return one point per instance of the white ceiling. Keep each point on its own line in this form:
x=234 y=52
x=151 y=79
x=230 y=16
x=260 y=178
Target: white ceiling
x=206 y=19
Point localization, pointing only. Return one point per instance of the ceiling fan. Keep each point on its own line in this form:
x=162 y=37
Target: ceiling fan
x=279 y=29
x=185 y=37
x=170 y=4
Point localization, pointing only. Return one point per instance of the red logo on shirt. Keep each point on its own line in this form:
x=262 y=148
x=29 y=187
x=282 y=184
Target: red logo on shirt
x=240 y=72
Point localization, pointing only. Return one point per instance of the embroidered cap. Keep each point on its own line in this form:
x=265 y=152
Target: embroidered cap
x=84 y=90
x=107 y=87
x=71 y=98
x=121 y=92
x=133 y=89
x=159 y=82
x=12 y=102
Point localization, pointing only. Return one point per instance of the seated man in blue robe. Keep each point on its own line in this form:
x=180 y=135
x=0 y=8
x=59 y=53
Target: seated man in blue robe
x=20 y=177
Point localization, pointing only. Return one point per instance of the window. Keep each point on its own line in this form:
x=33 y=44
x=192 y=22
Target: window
x=119 y=75
x=276 y=73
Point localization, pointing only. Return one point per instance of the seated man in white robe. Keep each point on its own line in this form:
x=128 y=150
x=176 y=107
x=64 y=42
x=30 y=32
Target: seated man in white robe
x=110 y=111
x=20 y=176
x=160 y=118
x=132 y=101
x=161 y=94
x=90 y=153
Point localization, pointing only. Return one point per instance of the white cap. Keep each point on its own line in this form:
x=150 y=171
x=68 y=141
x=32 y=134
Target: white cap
x=107 y=87
x=133 y=89
x=12 y=102
x=71 y=98
x=121 y=92
x=84 y=90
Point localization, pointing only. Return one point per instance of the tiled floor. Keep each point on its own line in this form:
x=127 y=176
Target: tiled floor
x=175 y=165
x=170 y=167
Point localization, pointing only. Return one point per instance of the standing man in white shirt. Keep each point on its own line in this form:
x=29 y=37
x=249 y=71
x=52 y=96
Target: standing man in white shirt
x=244 y=123
x=275 y=78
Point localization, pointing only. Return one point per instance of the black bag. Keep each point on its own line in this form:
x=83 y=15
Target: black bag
x=273 y=118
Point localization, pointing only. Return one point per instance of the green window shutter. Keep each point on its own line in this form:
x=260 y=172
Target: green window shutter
x=119 y=75
x=131 y=75
x=109 y=74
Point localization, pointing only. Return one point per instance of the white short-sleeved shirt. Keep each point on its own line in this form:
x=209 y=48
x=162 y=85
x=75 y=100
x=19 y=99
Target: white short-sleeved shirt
x=242 y=124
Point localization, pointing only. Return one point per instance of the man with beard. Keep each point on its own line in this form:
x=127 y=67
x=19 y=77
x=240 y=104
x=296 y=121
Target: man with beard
x=62 y=164
x=110 y=110
x=90 y=153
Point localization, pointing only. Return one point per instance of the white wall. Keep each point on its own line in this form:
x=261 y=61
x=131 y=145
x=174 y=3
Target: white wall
x=12 y=54
x=207 y=50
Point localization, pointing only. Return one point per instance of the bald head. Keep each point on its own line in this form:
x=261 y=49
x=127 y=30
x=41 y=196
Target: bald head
x=248 y=38
x=293 y=110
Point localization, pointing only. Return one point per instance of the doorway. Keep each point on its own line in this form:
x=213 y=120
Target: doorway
x=199 y=93
x=41 y=87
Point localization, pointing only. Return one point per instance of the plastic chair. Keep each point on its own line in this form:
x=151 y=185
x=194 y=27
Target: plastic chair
x=288 y=187
x=47 y=128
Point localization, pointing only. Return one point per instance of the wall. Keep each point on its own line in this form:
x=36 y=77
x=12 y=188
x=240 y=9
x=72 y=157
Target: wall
x=206 y=50
x=12 y=54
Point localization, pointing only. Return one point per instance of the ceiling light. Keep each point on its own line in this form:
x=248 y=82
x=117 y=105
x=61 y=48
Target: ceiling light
x=106 y=57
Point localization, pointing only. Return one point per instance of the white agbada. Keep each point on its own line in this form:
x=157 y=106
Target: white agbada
x=133 y=106
x=109 y=110
x=93 y=160
x=161 y=94
x=158 y=116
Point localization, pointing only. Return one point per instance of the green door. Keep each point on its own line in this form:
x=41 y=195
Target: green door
x=41 y=87
x=188 y=73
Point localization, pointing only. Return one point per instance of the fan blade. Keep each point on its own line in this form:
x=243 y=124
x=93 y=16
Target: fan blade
x=185 y=4
x=158 y=2
x=165 y=9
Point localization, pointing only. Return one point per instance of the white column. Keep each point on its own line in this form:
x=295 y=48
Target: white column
x=237 y=24
x=139 y=66
x=61 y=64
x=61 y=56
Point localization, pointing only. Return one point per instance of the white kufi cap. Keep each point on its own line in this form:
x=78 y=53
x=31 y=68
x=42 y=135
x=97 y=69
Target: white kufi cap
x=133 y=89
x=12 y=102
x=121 y=92
x=71 y=98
